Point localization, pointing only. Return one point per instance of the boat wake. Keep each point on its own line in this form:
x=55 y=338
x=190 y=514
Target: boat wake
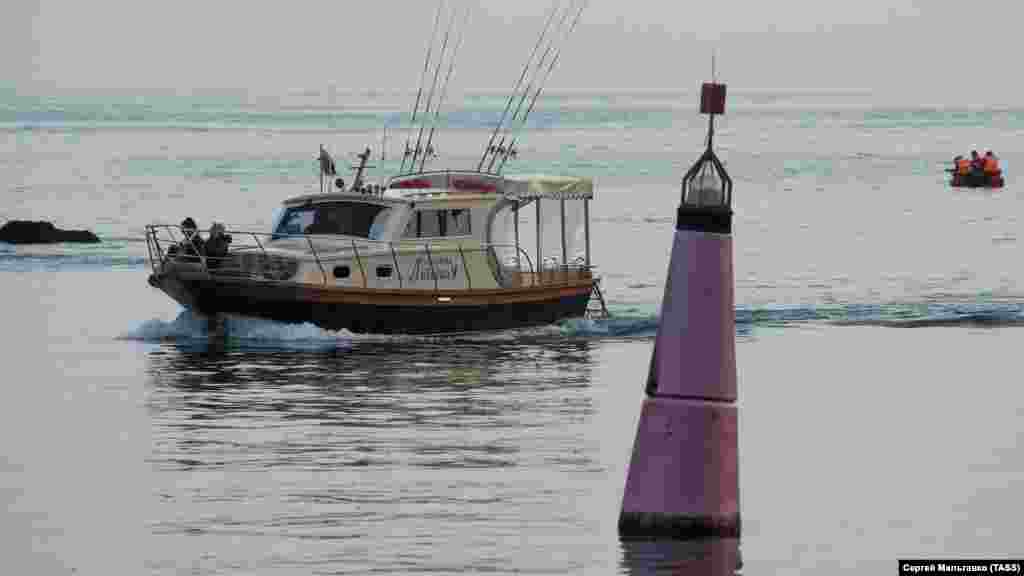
x=980 y=319
x=993 y=314
x=255 y=333
x=241 y=332
x=612 y=327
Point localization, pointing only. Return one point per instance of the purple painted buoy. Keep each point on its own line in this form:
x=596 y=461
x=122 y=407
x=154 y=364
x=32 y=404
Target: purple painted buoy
x=683 y=479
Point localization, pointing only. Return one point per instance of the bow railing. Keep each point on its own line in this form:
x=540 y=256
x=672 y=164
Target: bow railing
x=355 y=262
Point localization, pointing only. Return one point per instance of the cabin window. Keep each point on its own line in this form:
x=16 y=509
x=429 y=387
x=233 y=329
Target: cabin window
x=348 y=218
x=458 y=222
x=430 y=223
x=383 y=271
x=342 y=272
x=438 y=223
x=295 y=221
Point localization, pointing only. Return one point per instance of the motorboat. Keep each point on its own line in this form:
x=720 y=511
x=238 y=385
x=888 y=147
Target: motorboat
x=427 y=251
x=430 y=252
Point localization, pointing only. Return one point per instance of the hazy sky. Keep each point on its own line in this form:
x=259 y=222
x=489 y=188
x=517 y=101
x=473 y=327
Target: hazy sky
x=930 y=47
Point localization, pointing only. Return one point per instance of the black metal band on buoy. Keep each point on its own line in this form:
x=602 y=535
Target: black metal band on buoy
x=714 y=220
x=706 y=203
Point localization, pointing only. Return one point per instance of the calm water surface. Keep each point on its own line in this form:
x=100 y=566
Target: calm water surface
x=878 y=316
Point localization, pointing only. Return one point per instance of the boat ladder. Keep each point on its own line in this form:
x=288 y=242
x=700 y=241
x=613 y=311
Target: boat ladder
x=596 y=308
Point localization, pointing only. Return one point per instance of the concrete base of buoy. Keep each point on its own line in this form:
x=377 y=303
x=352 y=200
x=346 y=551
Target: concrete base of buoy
x=683 y=482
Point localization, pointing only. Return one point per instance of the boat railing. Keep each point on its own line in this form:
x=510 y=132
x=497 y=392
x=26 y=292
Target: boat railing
x=249 y=257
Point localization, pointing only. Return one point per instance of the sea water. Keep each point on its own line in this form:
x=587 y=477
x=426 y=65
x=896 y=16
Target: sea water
x=878 y=317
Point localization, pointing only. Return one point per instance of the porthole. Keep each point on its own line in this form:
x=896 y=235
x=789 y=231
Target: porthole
x=341 y=272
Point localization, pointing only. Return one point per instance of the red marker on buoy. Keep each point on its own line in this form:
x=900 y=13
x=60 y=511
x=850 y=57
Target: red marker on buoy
x=683 y=479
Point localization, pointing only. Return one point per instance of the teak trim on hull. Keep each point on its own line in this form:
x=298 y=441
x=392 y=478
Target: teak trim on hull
x=400 y=297
x=398 y=313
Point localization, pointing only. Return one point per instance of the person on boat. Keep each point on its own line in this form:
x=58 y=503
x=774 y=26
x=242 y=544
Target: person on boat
x=962 y=166
x=993 y=174
x=990 y=164
x=192 y=246
x=961 y=170
x=216 y=244
x=976 y=161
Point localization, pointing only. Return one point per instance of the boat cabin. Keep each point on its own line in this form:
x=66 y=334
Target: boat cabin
x=436 y=230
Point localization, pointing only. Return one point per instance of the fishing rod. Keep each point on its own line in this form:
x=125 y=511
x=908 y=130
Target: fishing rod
x=433 y=87
x=506 y=130
x=444 y=87
x=423 y=77
x=500 y=149
x=515 y=90
x=547 y=74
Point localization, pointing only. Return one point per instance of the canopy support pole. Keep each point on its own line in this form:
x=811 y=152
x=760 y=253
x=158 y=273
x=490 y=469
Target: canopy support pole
x=540 y=260
x=586 y=230
x=561 y=208
x=515 y=213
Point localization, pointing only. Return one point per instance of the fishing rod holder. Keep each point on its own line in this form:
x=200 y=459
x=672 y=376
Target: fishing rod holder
x=420 y=151
x=500 y=152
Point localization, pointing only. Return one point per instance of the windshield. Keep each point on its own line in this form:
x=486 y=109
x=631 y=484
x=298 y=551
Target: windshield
x=275 y=222
x=348 y=218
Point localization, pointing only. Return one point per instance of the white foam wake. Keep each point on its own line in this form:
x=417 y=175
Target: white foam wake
x=189 y=326
x=244 y=331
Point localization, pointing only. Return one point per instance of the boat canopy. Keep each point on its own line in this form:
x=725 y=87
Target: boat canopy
x=549 y=187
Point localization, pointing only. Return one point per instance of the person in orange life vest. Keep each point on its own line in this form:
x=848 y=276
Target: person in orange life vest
x=991 y=164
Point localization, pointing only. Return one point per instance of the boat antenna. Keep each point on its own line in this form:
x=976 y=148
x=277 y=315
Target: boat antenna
x=433 y=88
x=423 y=77
x=510 y=151
x=428 y=151
x=500 y=148
x=511 y=97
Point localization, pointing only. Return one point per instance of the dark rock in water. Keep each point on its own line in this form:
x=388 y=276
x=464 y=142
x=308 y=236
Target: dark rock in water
x=29 y=232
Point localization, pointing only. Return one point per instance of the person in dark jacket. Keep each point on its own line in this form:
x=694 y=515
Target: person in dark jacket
x=192 y=247
x=217 y=242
